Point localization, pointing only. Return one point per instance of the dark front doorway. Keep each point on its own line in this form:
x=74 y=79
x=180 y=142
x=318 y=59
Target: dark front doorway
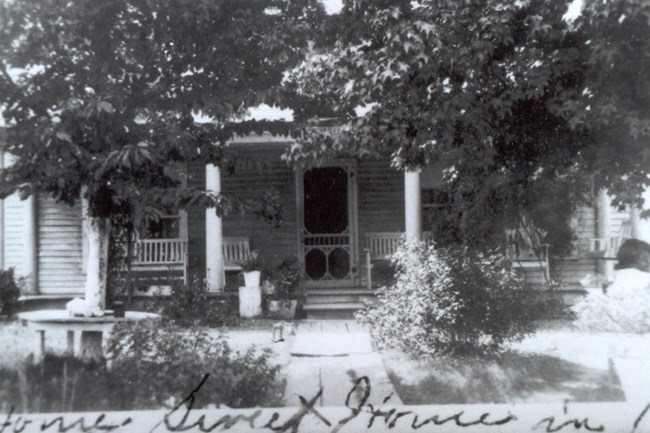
x=327 y=226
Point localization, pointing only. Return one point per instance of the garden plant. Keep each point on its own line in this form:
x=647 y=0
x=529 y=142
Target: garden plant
x=454 y=301
x=150 y=365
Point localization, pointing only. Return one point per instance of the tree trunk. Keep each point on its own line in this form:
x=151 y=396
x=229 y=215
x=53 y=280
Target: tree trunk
x=98 y=231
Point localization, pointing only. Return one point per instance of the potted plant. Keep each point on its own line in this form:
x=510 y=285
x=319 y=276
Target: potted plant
x=251 y=268
x=287 y=282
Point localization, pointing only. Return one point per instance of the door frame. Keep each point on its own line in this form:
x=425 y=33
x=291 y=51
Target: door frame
x=350 y=166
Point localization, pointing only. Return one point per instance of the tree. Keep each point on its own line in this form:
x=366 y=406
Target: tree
x=530 y=108
x=104 y=108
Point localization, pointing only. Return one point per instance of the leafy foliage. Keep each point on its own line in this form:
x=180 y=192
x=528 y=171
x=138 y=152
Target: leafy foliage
x=287 y=278
x=9 y=292
x=107 y=93
x=523 y=105
x=453 y=300
x=191 y=305
x=151 y=366
x=614 y=312
x=147 y=355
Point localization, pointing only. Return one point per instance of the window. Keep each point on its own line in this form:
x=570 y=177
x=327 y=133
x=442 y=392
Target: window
x=434 y=200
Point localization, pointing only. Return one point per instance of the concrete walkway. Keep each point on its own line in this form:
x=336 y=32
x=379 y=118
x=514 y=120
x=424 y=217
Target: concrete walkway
x=333 y=355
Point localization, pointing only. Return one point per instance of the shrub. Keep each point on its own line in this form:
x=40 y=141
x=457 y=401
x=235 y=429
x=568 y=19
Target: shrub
x=192 y=305
x=453 y=300
x=151 y=367
x=162 y=362
x=614 y=312
x=287 y=279
x=56 y=384
x=9 y=292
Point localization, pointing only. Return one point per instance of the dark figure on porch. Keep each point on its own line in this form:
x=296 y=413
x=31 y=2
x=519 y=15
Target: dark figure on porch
x=633 y=267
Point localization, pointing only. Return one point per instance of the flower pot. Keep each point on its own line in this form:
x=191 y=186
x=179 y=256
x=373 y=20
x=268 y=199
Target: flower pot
x=274 y=306
x=250 y=301
x=252 y=278
x=287 y=309
x=268 y=288
x=118 y=309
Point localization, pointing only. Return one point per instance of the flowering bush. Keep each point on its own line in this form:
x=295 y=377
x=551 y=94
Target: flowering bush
x=453 y=300
x=623 y=311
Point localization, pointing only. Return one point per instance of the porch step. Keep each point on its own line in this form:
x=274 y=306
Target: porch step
x=336 y=303
x=336 y=296
x=335 y=310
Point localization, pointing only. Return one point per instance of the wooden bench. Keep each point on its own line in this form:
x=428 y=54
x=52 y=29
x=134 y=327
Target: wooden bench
x=607 y=248
x=160 y=255
x=236 y=249
x=382 y=245
x=525 y=254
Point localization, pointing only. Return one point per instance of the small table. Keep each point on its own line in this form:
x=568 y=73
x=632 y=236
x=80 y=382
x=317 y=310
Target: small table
x=91 y=329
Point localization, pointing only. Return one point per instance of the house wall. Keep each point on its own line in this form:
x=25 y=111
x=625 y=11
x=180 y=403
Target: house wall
x=570 y=270
x=59 y=244
x=260 y=168
x=380 y=196
x=14 y=228
x=196 y=226
x=60 y=252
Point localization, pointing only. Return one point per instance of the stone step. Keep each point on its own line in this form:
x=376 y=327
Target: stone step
x=339 y=291
x=339 y=295
x=343 y=310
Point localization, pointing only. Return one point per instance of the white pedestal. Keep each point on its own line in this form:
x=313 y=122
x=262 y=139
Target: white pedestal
x=250 y=301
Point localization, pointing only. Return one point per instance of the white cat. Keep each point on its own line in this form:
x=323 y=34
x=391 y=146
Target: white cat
x=78 y=307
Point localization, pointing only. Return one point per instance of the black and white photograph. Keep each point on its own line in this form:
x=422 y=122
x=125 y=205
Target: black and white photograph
x=312 y=216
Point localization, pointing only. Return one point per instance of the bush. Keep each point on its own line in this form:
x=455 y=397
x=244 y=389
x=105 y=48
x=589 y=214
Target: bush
x=625 y=312
x=56 y=384
x=162 y=362
x=286 y=279
x=9 y=292
x=453 y=300
x=192 y=305
x=152 y=366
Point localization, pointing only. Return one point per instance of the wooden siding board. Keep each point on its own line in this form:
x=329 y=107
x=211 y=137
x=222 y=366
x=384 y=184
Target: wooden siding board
x=381 y=202
x=273 y=243
x=60 y=257
x=196 y=226
x=14 y=233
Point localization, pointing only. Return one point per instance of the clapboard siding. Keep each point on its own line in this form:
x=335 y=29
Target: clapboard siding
x=250 y=182
x=60 y=257
x=14 y=229
x=380 y=191
x=570 y=271
x=196 y=226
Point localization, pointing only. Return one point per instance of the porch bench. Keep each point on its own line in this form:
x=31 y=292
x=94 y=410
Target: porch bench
x=236 y=249
x=380 y=246
x=155 y=255
x=524 y=255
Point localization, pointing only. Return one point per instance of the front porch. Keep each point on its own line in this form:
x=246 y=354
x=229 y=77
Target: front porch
x=342 y=220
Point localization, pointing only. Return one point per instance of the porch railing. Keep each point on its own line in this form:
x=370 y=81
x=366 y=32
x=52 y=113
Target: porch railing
x=381 y=245
x=159 y=251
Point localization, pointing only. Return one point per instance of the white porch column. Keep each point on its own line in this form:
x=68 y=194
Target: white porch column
x=2 y=219
x=412 y=205
x=30 y=244
x=634 y=222
x=605 y=267
x=213 y=234
x=642 y=229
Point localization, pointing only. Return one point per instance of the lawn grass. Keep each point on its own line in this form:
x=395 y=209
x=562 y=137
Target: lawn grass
x=513 y=377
